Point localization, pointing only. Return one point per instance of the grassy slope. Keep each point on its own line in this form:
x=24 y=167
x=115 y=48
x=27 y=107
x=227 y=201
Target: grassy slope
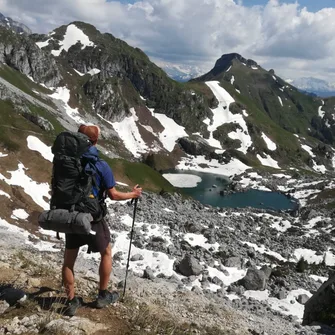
x=14 y=129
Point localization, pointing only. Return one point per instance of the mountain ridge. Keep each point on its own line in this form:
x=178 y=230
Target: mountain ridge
x=98 y=75
x=14 y=25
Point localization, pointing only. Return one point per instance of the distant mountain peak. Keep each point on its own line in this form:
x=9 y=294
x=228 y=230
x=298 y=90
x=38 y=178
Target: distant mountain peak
x=224 y=64
x=314 y=85
x=17 y=27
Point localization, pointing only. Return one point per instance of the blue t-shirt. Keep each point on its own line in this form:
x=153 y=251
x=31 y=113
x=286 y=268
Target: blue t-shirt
x=104 y=176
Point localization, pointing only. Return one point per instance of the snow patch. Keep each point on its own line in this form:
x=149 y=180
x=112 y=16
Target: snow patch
x=4 y=194
x=128 y=131
x=232 y=80
x=311 y=256
x=36 y=191
x=222 y=115
x=19 y=214
x=94 y=71
x=200 y=240
x=320 y=111
x=268 y=161
x=308 y=149
x=72 y=36
x=199 y=163
x=80 y=73
x=43 y=44
x=281 y=101
x=63 y=94
x=172 y=131
x=263 y=250
x=271 y=145
x=182 y=180
x=36 y=144
x=288 y=306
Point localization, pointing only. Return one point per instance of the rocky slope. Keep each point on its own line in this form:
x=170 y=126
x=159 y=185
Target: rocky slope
x=14 y=25
x=265 y=122
x=210 y=270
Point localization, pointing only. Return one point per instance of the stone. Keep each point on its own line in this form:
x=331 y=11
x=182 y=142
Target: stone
x=321 y=306
x=189 y=266
x=137 y=257
x=148 y=273
x=267 y=271
x=233 y=262
x=3 y=306
x=254 y=280
x=302 y=298
x=281 y=295
x=217 y=281
x=34 y=282
x=118 y=256
x=196 y=290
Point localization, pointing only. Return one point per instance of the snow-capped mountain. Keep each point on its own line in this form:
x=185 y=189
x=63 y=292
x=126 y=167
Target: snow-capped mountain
x=181 y=73
x=14 y=25
x=314 y=85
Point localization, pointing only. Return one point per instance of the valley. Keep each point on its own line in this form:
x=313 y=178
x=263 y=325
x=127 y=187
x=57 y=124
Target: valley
x=206 y=268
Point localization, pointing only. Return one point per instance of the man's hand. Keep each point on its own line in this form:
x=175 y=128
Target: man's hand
x=137 y=191
x=114 y=194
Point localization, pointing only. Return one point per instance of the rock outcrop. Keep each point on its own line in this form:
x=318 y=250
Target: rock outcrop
x=22 y=54
x=320 y=308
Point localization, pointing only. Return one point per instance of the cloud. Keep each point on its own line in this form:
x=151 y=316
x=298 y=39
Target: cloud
x=282 y=36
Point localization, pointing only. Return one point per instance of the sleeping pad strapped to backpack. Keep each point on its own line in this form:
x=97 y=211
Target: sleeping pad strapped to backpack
x=74 y=187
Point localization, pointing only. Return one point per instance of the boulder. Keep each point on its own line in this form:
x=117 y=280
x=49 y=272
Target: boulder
x=3 y=306
x=137 y=257
x=254 y=280
x=302 y=298
x=189 y=266
x=148 y=273
x=282 y=294
x=320 y=308
x=233 y=262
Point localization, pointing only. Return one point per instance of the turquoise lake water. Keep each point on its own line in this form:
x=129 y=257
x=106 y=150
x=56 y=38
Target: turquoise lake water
x=209 y=195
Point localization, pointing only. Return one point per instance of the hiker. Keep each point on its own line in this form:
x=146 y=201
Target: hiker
x=101 y=241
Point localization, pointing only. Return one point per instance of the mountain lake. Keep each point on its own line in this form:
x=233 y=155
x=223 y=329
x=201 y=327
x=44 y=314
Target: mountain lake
x=207 y=191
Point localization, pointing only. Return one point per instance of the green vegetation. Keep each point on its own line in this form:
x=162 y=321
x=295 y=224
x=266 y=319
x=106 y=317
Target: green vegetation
x=13 y=124
x=19 y=80
x=138 y=173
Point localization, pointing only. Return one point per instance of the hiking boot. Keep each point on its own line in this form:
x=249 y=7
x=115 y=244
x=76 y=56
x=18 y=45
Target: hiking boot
x=106 y=299
x=72 y=307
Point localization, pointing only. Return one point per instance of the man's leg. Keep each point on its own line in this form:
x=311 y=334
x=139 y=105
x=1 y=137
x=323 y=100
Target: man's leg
x=70 y=257
x=105 y=268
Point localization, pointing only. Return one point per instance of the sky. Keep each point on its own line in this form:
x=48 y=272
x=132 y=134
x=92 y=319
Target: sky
x=295 y=38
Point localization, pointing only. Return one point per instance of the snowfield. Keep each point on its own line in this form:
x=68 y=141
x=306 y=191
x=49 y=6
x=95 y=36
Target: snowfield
x=36 y=144
x=182 y=180
x=72 y=36
x=222 y=115
x=63 y=94
x=270 y=144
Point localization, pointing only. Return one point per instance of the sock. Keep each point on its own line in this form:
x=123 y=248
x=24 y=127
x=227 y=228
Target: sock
x=103 y=293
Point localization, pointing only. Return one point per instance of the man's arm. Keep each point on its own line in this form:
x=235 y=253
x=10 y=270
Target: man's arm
x=114 y=194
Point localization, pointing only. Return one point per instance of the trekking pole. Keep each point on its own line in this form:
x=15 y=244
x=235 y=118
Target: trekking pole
x=131 y=239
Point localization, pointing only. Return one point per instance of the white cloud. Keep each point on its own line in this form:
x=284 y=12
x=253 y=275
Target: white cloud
x=282 y=36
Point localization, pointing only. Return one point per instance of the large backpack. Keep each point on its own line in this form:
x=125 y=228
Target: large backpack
x=73 y=177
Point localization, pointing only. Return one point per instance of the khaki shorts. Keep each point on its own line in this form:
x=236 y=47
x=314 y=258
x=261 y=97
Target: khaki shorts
x=96 y=243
